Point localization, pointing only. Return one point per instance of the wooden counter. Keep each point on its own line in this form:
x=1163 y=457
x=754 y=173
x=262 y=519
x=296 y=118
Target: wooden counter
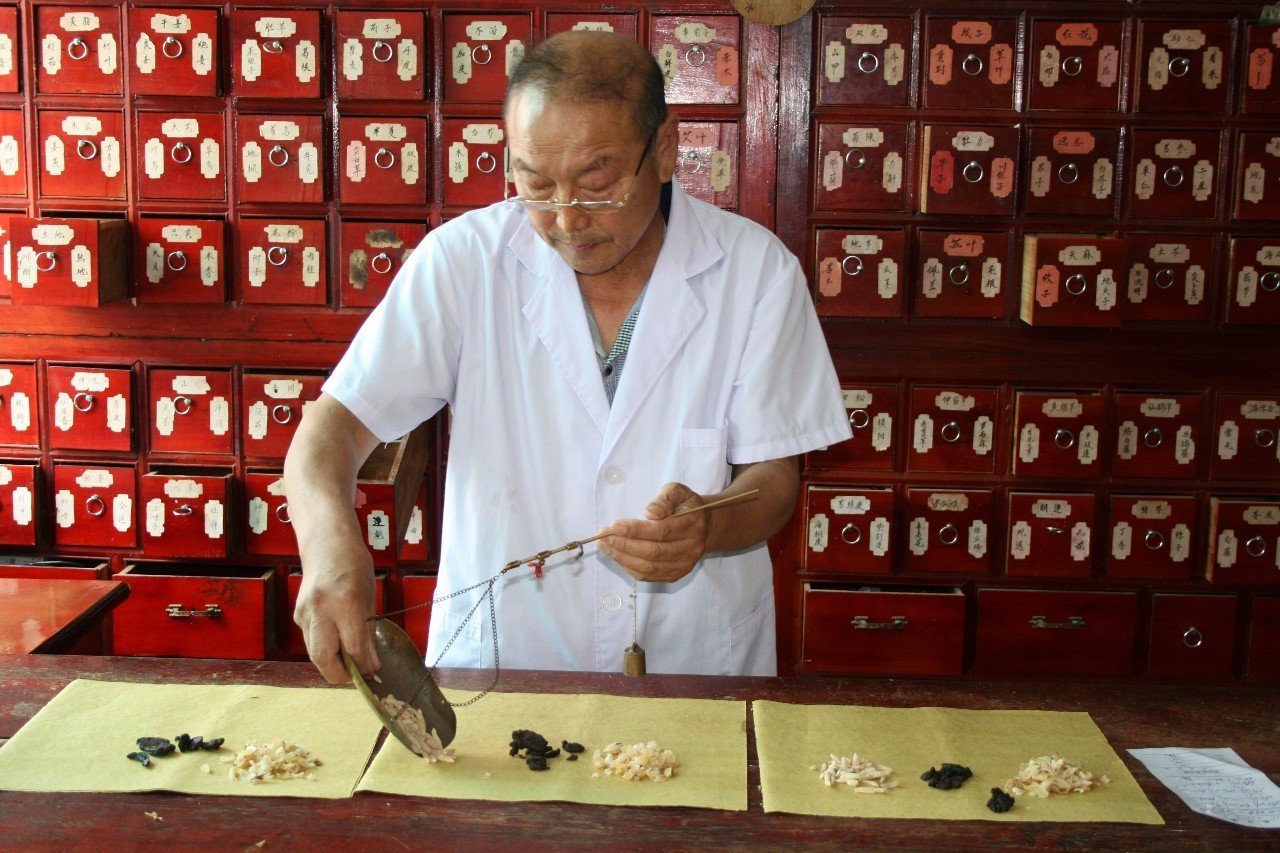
x=1130 y=716
x=50 y=615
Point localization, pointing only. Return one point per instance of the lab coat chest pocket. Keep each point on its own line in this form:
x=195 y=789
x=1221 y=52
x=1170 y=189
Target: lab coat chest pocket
x=704 y=459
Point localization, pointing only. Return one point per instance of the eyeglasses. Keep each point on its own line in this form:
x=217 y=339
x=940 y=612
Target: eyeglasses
x=586 y=206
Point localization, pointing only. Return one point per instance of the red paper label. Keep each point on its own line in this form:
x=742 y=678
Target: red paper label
x=1077 y=35
x=1260 y=68
x=727 y=66
x=942 y=172
x=1073 y=142
x=963 y=245
x=940 y=59
x=1002 y=177
x=971 y=32
x=1001 y=64
x=1047 y=286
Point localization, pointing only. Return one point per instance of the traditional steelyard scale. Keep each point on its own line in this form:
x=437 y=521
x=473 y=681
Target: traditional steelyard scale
x=405 y=675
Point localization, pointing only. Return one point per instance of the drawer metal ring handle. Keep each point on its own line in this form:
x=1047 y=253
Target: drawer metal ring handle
x=278 y=156
x=95 y=505
x=1154 y=540
x=973 y=172
x=1173 y=176
x=868 y=62
x=859 y=154
x=1264 y=437
x=86 y=149
x=864 y=623
x=690 y=163
x=486 y=162
x=282 y=514
x=1165 y=278
x=77 y=48
x=183 y=510
x=83 y=402
x=1064 y=438
x=851 y=534
x=859 y=418
x=180 y=152
x=1068 y=173
x=1179 y=66
x=281 y=414
x=212 y=611
x=481 y=50
x=1255 y=546
x=844 y=265
x=272 y=46
x=1192 y=638
x=1153 y=437
x=46 y=261
x=1077 y=284
x=381 y=263
x=948 y=534
x=1055 y=531
x=176 y=260
x=382 y=51
x=959 y=274
x=950 y=432
x=1072 y=65
x=972 y=65
x=171 y=47
x=277 y=256
x=1270 y=282
x=697 y=51
x=1071 y=623
x=182 y=405
x=384 y=158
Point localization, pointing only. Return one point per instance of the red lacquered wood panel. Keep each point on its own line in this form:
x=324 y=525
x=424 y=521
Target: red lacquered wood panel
x=1169 y=277
x=19 y=405
x=21 y=494
x=474 y=152
x=883 y=633
x=953 y=429
x=89 y=407
x=850 y=530
x=95 y=506
x=1264 y=639
x=1073 y=172
x=1253 y=286
x=283 y=261
x=381 y=54
x=873 y=413
x=963 y=274
x=861 y=166
x=382 y=160
x=1245 y=429
x=1050 y=534
x=186 y=512
x=971 y=63
x=418 y=590
x=1042 y=633
x=272 y=406
x=1157 y=435
x=181 y=155
x=276 y=53
x=13 y=153
x=1244 y=541
x=175 y=52
x=180 y=260
x=1058 y=433
x=372 y=253
x=1076 y=65
x=1192 y=636
x=50 y=615
x=865 y=60
x=482 y=49
x=10 y=75
x=949 y=530
x=1152 y=536
x=281 y=158
x=700 y=56
x=1184 y=66
x=1071 y=280
x=708 y=162
x=80 y=50
x=860 y=273
x=268 y=530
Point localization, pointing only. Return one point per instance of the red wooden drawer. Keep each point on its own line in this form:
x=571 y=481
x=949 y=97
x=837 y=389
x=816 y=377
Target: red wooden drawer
x=294 y=643
x=272 y=405
x=699 y=56
x=185 y=512
x=1192 y=636
x=1071 y=280
x=387 y=485
x=20 y=495
x=276 y=54
x=483 y=50
x=1156 y=435
x=1254 y=284
x=861 y=166
x=79 y=50
x=1038 y=633
x=383 y=160
x=1168 y=277
x=281 y=158
x=56 y=568
x=90 y=408
x=94 y=505
x=1246 y=428
x=75 y=262
x=1050 y=534
x=175 y=51
x=621 y=23
x=962 y=274
x=1258 y=177
x=1058 y=433
x=268 y=531
x=1073 y=171
x=181 y=156
x=81 y=154
x=1261 y=89
x=1244 y=541
x=969 y=170
x=1175 y=174
x=860 y=273
x=180 y=260
x=418 y=590
x=381 y=54
x=1184 y=66
x=190 y=410
x=19 y=404
x=209 y=611
x=883 y=632
x=707 y=161
x=970 y=64
x=873 y=411
x=953 y=429
x=417 y=537
x=9 y=68
x=474 y=157
x=283 y=261
x=371 y=253
x=865 y=60
x=1264 y=639
x=948 y=530
x=1076 y=65
x=1152 y=536
x=849 y=530
x=13 y=159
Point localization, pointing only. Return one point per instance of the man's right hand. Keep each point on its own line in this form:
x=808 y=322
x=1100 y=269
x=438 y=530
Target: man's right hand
x=334 y=605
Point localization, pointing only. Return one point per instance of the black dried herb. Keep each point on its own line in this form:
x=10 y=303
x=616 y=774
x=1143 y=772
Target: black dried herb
x=950 y=777
x=156 y=746
x=1000 y=802
x=213 y=744
x=536 y=762
x=570 y=746
x=140 y=757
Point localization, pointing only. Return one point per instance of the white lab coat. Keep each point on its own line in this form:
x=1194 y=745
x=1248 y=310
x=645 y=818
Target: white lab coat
x=727 y=365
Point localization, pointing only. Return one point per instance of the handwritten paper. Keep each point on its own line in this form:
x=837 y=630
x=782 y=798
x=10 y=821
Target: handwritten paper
x=1217 y=783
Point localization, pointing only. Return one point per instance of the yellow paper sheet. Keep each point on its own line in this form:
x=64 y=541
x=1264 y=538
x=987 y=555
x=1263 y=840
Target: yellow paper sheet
x=707 y=736
x=78 y=742
x=791 y=739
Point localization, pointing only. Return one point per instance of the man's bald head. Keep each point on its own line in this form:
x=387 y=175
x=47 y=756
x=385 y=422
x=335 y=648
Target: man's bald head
x=582 y=67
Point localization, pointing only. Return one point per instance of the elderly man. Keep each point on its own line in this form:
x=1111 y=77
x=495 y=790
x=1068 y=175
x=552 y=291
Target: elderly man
x=612 y=352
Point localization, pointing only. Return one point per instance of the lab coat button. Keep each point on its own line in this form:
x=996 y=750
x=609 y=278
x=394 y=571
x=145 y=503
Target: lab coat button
x=614 y=475
x=612 y=602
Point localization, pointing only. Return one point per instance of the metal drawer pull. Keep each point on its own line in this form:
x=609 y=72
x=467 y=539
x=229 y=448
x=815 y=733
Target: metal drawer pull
x=1071 y=623
x=480 y=50
x=1255 y=546
x=1270 y=282
x=973 y=172
x=176 y=260
x=1153 y=437
x=381 y=263
x=851 y=534
x=171 y=47
x=1055 y=531
x=1065 y=439
x=183 y=510
x=95 y=505
x=44 y=258
x=1072 y=65
x=864 y=623
x=273 y=46
x=277 y=256
x=282 y=514
x=384 y=158
x=844 y=265
x=959 y=275
x=1179 y=66
x=1077 y=284
x=86 y=149
x=1154 y=540
x=486 y=162
x=1174 y=176
x=1265 y=437
x=868 y=62
x=383 y=52
x=859 y=419
x=690 y=163
x=697 y=51
x=278 y=156
x=950 y=432
x=83 y=402
x=213 y=611
x=861 y=158
x=972 y=65
x=183 y=405
x=77 y=49
x=281 y=414
x=1192 y=638
x=948 y=534
x=1165 y=278
x=1068 y=173
x=180 y=153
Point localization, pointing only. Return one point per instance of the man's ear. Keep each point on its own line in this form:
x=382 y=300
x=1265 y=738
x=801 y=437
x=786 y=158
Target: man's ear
x=666 y=146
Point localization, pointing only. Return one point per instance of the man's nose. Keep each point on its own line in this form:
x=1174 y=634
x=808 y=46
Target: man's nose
x=570 y=219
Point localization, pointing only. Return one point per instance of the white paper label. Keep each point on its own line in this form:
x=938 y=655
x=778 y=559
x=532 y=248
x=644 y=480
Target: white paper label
x=259 y=518
x=819 y=529
x=213 y=519
x=122 y=513
x=850 y=505
x=155 y=517
x=378 y=530
x=1020 y=540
